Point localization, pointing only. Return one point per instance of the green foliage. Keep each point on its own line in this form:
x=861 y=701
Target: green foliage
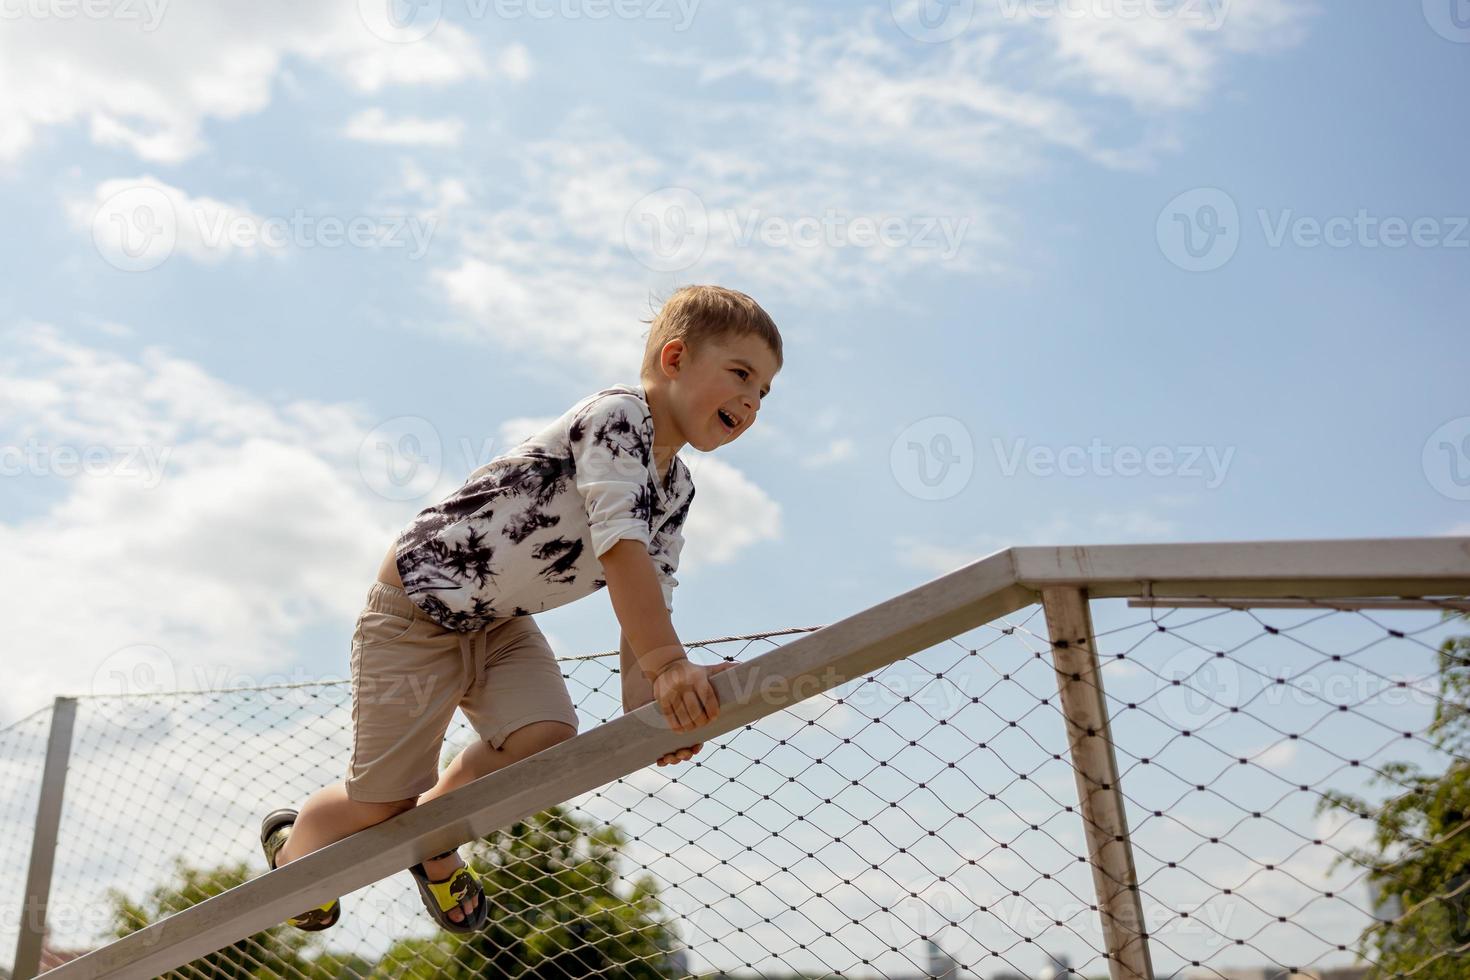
x=1420 y=854
x=274 y=953
x=555 y=911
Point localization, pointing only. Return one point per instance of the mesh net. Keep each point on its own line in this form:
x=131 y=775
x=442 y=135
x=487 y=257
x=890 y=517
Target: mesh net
x=1291 y=779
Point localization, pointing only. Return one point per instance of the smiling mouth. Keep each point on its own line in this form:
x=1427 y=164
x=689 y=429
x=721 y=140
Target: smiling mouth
x=727 y=420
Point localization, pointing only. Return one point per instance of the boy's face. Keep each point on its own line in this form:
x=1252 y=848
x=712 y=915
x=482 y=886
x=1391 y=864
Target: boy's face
x=729 y=376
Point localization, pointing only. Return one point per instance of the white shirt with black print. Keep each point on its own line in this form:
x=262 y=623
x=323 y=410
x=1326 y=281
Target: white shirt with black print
x=527 y=530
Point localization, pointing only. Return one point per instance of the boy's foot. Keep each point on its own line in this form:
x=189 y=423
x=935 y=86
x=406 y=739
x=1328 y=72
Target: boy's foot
x=440 y=870
x=274 y=830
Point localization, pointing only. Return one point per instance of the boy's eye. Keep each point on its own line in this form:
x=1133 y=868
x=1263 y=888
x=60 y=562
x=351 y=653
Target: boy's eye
x=743 y=373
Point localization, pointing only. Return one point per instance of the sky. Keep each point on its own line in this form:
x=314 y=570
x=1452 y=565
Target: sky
x=1071 y=272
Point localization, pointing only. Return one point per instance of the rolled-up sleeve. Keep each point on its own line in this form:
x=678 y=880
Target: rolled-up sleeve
x=667 y=545
x=611 y=444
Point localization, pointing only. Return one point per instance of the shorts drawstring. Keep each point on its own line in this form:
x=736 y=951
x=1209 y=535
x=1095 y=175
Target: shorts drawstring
x=471 y=653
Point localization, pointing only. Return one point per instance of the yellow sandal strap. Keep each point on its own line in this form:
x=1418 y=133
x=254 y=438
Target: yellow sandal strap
x=450 y=892
x=310 y=915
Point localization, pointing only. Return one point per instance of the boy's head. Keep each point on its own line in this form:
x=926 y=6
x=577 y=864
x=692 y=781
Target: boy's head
x=710 y=350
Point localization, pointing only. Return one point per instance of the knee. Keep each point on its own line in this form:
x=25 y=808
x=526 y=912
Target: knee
x=537 y=736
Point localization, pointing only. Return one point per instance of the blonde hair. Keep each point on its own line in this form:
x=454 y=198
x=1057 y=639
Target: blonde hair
x=705 y=314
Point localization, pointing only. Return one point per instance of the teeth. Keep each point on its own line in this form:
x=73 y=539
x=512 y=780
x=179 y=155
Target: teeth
x=727 y=418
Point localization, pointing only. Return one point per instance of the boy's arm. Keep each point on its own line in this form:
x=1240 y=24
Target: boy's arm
x=637 y=691
x=682 y=689
x=638 y=602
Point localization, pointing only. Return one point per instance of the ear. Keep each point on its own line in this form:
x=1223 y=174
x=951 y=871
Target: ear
x=673 y=357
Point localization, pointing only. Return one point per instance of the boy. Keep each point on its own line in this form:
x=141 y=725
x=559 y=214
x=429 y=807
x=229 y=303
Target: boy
x=597 y=498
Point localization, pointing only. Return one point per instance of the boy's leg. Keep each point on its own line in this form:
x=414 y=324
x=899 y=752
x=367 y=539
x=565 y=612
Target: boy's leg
x=407 y=677
x=518 y=704
x=329 y=815
x=479 y=759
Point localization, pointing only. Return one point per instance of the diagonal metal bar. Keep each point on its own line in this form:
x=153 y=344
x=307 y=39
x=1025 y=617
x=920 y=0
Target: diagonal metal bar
x=913 y=621
x=1099 y=790
x=769 y=683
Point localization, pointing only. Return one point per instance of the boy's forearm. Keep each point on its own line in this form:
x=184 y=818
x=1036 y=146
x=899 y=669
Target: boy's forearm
x=637 y=689
x=638 y=602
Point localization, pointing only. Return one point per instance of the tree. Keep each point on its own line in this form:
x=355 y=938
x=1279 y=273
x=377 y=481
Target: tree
x=1420 y=858
x=276 y=952
x=555 y=912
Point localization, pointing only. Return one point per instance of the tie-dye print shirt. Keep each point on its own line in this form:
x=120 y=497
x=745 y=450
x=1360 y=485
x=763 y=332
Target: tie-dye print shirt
x=527 y=530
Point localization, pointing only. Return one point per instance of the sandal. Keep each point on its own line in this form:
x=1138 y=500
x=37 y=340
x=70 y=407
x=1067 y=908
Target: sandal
x=441 y=896
x=274 y=830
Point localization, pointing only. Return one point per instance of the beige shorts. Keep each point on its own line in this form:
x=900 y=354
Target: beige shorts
x=409 y=674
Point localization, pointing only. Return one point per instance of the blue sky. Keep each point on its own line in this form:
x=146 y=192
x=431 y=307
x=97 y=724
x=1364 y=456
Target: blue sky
x=526 y=150
x=942 y=397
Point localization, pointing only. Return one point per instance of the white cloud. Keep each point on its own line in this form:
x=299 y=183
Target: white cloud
x=150 y=85
x=548 y=303
x=1171 y=61
x=440 y=197
x=834 y=452
x=560 y=272
x=374 y=126
x=730 y=513
x=1020 y=77
x=211 y=523
x=144 y=219
x=1277 y=756
x=515 y=62
x=247 y=525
